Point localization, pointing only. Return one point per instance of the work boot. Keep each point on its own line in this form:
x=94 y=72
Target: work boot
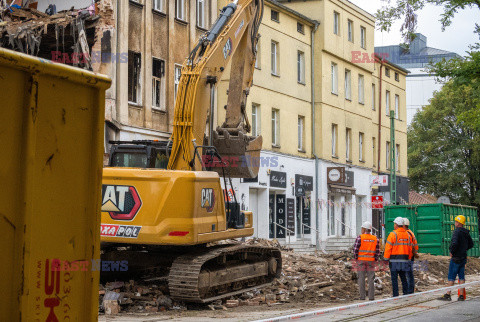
x=445 y=297
x=461 y=298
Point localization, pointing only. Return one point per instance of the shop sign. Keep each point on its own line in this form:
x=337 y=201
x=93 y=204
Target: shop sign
x=290 y=216
x=380 y=180
x=304 y=181
x=280 y=207
x=377 y=202
x=278 y=179
x=336 y=175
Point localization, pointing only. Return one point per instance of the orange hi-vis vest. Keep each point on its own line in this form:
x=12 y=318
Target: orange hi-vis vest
x=414 y=241
x=368 y=247
x=399 y=246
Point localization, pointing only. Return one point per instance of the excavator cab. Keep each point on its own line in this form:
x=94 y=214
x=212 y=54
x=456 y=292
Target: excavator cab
x=140 y=154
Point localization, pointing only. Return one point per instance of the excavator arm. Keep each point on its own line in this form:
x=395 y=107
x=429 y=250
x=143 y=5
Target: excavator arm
x=232 y=38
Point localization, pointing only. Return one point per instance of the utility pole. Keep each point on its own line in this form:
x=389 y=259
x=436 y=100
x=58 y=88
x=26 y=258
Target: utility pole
x=393 y=165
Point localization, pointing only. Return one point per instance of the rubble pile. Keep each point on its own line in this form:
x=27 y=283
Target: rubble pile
x=66 y=36
x=305 y=280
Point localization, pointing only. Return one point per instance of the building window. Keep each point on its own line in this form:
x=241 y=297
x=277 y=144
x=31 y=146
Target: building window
x=300 y=28
x=348 y=85
x=387 y=71
x=361 y=89
x=387 y=103
x=397 y=77
x=363 y=37
x=159 y=5
x=275 y=127
x=275 y=16
x=178 y=73
x=373 y=97
x=158 y=83
x=334 y=139
x=300 y=67
x=397 y=99
x=387 y=152
x=301 y=133
x=201 y=18
x=374 y=147
x=134 y=68
x=360 y=147
x=334 y=78
x=336 y=23
x=258 y=55
x=397 y=157
x=348 y=144
x=180 y=9
x=350 y=30
x=275 y=58
x=256 y=117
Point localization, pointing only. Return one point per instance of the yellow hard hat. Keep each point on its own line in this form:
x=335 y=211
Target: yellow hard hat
x=461 y=219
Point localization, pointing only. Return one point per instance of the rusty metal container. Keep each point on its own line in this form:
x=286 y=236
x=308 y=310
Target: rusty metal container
x=51 y=134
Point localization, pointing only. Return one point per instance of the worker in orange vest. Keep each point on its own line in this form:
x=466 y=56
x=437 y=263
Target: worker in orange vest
x=366 y=251
x=398 y=250
x=410 y=277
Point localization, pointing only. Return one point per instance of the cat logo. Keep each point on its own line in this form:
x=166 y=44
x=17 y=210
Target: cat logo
x=208 y=199
x=121 y=202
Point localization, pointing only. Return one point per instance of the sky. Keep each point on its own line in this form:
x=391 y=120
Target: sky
x=455 y=38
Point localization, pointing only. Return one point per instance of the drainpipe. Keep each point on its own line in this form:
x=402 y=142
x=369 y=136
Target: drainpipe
x=380 y=117
x=312 y=73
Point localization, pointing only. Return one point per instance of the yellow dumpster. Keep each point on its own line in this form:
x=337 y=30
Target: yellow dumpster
x=51 y=139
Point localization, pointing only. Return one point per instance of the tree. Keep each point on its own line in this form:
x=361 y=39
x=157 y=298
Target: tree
x=407 y=10
x=444 y=151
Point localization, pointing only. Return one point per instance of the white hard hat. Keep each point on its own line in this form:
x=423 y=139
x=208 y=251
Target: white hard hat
x=367 y=225
x=398 y=221
x=406 y=222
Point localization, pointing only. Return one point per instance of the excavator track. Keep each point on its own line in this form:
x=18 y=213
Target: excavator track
x=222 y=271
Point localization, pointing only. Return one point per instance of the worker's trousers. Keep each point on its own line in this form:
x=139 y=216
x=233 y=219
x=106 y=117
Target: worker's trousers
x=411 y=281
x=400 y=269
x=368 y=269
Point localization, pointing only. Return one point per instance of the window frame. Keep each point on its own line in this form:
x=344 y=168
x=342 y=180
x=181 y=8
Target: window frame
x=301 y=28
x=275 y=127
x=334 y=78
x=387 y=72
x=137 y=70
x=161 y=80
x=201 y=4
x=274 y=57
x=374 y=151
x=363 y=37
x=387 y=151
x=348 y=144
x=334 y=140
x=301 y=133
x=397 y=76
x=361 y=89
x=256 y=119
x=176 y=82
x=161 y=8
x=373 y=97
x=361 y=147
x=336 y=23
x=272 y=15
x=348 y=84
x=397 y=106
x=258 y=57
x=300 y=67
x=350 y=36
x=397 y=157
x=387 y=103
x=183 y=11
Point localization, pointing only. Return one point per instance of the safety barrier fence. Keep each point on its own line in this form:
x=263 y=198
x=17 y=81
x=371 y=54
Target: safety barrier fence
x=364 y=304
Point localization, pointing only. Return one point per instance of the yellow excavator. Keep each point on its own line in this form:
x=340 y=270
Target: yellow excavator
x=163 y=204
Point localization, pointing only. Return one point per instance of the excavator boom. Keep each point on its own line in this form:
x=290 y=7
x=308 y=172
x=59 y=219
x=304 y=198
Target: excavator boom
x=232 y=39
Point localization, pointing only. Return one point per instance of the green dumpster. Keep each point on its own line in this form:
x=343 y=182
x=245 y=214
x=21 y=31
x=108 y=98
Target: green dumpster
x=433 y=225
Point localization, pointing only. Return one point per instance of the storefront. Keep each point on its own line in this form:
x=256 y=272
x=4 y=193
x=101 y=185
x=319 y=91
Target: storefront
x=280 y=197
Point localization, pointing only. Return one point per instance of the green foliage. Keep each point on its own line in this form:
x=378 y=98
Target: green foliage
x=444 y=149
x=407 y=10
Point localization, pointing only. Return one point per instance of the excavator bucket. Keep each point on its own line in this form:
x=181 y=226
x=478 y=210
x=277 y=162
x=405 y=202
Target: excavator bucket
x=240 y=154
